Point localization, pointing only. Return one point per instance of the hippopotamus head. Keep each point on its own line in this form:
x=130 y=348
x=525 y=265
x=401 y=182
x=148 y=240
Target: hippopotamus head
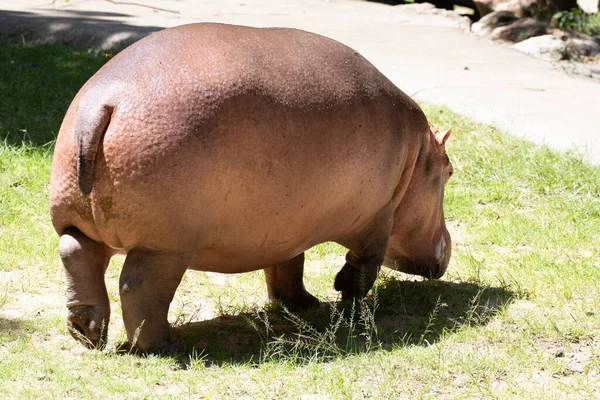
x=420 y=243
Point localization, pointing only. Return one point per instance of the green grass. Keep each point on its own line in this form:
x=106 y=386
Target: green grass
x=37 y=85
x=516 y=315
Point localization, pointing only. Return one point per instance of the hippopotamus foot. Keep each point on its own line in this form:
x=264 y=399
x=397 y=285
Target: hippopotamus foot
x=89 y=325
x=168 y=347
x=147 y=285
x=364 y=259
x=85 y=263
x=357 y=277
x=285 y=284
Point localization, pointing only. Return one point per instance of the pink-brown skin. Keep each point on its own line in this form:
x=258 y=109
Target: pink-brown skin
x=231 y=149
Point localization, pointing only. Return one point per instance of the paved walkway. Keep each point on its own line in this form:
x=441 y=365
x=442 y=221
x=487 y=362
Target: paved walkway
x=427 y=56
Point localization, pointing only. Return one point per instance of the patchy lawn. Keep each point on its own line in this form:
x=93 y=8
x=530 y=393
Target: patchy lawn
x=516 y=315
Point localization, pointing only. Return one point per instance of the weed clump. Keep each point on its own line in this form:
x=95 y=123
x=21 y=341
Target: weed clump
x=349 y=329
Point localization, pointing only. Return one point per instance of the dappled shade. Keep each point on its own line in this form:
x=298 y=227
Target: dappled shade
x=40 y=81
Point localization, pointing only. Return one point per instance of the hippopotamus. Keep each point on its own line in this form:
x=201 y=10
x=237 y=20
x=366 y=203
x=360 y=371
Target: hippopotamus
x=230 y=149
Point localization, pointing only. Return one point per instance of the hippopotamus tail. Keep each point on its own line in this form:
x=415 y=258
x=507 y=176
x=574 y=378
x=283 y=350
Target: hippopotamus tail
x=90 y=130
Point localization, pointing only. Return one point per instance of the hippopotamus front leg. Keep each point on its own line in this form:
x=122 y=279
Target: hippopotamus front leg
x=147 y=285
x=285 y=284
x=85 y=263
x=365 y=257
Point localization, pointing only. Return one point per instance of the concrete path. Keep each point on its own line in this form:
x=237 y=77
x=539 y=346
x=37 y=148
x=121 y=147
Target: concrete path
x=428 y=56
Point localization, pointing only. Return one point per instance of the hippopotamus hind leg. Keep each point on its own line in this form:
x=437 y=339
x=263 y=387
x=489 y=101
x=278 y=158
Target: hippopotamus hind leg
x=365 y=257
x=147 y=285
x=85 y=263
x=285 y=284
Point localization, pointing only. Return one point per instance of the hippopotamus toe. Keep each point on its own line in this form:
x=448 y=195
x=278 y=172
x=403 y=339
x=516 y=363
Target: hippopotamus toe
x=88 y=325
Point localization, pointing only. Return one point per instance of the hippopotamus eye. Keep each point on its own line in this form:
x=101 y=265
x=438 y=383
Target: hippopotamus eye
x=450 y=173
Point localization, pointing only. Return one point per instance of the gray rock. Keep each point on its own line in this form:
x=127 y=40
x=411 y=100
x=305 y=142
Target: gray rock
x=487 y=24
x=578 y=49
x=547 y=47
x=521 y=8
x=520 y=30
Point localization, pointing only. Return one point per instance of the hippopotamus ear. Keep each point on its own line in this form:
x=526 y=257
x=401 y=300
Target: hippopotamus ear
x=441 y=137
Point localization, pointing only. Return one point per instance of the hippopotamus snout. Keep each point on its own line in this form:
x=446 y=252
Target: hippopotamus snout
x=429 y=271
x=432 y=267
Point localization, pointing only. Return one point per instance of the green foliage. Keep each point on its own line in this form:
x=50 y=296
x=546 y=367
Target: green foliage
x=577 y=20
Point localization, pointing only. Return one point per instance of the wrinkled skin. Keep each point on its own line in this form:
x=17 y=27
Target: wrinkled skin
x=231 y=149
x=419 y=243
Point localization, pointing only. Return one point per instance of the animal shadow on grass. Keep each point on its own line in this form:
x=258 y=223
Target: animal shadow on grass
x=396 y=314
x=13 y=326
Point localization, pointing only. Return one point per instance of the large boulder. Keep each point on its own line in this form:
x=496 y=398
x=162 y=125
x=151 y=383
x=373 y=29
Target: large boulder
x=580 y=48
x=589 y=6
x=548 y=47
x=496 y=19
x=520 y=30
x=485 y=7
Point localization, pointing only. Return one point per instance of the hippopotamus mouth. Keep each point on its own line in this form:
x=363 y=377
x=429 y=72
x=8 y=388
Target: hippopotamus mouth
x=407 y=266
